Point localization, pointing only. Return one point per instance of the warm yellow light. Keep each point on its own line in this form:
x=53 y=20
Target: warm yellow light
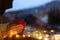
x=29 y=35
x=45 y=38
x=4 y=36
x=52 y=31
x=36 y=35
x=40 y=37
x=17 y=36
x=45 y=31
x=57 y=36
x=47 y=35
x=24 y=36
x=12 y=33
x=36 y=31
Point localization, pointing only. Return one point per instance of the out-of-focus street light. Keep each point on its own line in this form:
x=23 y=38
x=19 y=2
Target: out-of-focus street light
x=51 y=30
x=40 y=37
x=29 y=35
x=46 y=39
x=47 y=35
x=44 y=31
x=17 y=36
x=24 y=36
